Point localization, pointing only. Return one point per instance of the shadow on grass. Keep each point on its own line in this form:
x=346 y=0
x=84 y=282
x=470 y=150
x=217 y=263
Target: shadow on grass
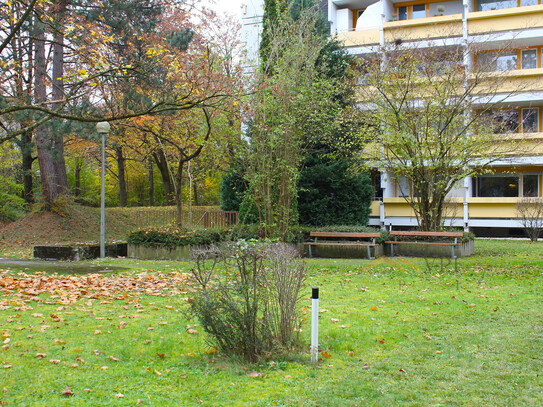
x=50 y=267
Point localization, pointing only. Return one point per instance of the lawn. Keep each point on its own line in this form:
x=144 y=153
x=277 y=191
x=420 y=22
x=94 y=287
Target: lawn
x=393 y=332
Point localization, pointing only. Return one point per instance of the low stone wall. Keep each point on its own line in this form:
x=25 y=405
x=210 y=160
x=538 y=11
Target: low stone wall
x=419 y=250
x=158 y=252
x=78 y=252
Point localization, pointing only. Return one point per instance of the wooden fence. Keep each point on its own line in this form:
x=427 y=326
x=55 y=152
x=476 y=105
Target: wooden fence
x=204 y=216
x=216 y=219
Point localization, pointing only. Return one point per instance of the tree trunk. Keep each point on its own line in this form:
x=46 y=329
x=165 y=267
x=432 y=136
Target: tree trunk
x=49 y=143
x=151 y=184
x=26 y=152
x=162 y=164
x=195 y=194
x=123 y=195
x=78 y=166
x=179 y=194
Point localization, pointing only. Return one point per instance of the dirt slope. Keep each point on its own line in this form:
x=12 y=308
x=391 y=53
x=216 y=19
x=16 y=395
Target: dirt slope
x=82 y=224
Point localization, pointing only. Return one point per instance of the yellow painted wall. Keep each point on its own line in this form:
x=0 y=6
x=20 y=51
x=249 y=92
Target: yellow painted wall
x=486 y=208
x=482 y=208
x=375 y=208
x=359 y=38
x=481 y=22
x=432 y=27
x=484 y=22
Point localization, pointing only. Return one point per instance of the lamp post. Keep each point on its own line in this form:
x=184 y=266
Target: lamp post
x=103 y=128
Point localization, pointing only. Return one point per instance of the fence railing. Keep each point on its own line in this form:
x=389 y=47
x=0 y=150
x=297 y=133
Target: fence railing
x=215 y=219
x=206 y=217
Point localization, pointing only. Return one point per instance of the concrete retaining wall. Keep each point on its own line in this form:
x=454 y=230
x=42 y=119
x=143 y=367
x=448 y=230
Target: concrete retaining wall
x=414 y=250
x=158 y=252
x=78 y=252
x=342 y=252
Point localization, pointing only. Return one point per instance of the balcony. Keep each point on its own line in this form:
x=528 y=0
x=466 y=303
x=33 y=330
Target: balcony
x=361 y=26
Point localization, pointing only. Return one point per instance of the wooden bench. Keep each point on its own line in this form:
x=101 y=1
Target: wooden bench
x=347 y=243
x=453 y=242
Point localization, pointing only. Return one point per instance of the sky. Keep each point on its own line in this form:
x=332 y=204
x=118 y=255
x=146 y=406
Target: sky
x=229 y=6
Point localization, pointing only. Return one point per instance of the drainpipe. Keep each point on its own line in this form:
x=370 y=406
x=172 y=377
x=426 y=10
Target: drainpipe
x=466 y=208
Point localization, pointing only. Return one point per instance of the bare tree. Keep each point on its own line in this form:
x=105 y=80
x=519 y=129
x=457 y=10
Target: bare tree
x=427 y=123
x=530 y=214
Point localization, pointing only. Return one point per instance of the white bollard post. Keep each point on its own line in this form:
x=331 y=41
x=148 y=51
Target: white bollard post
x=315 y=324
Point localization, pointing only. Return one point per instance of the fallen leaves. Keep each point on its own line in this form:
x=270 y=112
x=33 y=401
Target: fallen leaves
x=67 y=392
x=255 y=374
x=94 y=286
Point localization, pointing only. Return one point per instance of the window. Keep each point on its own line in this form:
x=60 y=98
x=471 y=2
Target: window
x=530 y=120
x=419 y=11
x=530 y=185
x=504 y=186
x=529 y=59
x=484 y=5
x=497 y=61
x=403 y=187
x=402 y=13
x=528 y=2
x=503 y=120
x=376 y=184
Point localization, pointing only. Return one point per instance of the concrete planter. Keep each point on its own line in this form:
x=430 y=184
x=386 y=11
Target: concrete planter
x=158 y=252
x=414 y=250
x=79 y=251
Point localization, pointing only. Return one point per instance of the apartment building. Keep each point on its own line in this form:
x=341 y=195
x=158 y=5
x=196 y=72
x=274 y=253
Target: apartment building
x=508 y=38
x=486 y=204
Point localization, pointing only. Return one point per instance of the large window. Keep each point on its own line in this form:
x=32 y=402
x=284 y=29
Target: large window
x=503 y=120
x=497 y=61
x=509 y=60
x=496 y=186
x=506 y=185
x=513 y=120
x=484 y=5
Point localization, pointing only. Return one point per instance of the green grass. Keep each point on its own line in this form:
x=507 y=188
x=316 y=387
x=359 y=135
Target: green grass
x=407 y=335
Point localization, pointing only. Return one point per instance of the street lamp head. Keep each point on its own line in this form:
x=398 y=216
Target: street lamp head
x=103 y=127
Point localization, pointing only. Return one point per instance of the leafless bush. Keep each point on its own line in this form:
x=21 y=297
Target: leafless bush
x=247 y=296
x=530 y=214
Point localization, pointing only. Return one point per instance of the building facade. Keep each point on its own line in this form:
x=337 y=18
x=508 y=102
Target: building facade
x=485 y=204
x=509 y=36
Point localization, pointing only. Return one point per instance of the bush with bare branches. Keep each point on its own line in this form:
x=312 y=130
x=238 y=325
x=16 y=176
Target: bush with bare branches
x=530 y=215
x=247 y=297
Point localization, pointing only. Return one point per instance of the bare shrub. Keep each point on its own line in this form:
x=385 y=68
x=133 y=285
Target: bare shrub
x=530 y=214
x=247 y=295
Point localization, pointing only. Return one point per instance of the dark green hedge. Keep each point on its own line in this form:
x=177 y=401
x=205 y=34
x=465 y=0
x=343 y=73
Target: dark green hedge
x=172 y=236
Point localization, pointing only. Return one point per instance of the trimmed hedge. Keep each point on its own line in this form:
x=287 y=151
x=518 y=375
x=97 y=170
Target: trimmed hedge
x=172 y=236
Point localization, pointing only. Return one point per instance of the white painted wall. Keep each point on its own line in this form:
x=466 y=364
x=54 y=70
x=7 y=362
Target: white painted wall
x=252 y=12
